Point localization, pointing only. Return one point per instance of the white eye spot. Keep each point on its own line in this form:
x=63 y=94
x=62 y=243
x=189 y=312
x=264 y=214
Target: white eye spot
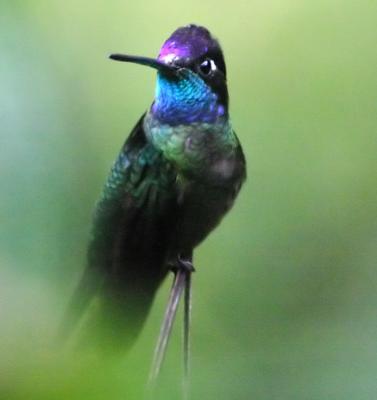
x=207 y=66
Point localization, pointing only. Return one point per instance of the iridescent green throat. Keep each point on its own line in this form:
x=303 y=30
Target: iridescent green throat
x=184 y=100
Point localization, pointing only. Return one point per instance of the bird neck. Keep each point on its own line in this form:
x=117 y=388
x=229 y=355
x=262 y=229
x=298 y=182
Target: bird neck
x=186 y=100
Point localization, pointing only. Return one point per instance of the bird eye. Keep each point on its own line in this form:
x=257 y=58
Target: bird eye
x=207 y=66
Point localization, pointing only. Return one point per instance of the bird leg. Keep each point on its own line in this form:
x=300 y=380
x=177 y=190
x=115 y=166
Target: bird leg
x=182 y=283
x=186 y=334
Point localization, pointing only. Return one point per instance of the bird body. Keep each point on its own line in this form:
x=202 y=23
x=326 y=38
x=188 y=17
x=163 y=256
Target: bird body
x=176 y=176
x=208 y=165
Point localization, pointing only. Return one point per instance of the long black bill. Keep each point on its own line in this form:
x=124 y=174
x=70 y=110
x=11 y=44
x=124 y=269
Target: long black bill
x=150 y=62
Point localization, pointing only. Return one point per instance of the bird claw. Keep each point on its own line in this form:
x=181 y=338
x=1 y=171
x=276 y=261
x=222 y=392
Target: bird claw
x=180 y=264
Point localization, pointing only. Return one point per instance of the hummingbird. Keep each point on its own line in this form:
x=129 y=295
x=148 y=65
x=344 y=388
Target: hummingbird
x=176 y=176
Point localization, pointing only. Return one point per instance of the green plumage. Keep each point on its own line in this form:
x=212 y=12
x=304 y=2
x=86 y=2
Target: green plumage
x=175 y=178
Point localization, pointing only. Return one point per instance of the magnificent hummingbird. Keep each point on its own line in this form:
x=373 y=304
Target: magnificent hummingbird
x=176 y=176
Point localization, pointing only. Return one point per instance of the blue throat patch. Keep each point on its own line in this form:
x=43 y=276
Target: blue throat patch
x=185 y=101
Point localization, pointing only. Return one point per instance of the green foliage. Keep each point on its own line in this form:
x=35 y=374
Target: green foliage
x=285 y=290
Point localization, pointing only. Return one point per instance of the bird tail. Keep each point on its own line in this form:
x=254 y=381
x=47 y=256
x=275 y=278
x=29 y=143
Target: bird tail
x=123 y=277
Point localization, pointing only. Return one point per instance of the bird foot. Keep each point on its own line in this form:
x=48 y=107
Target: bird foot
x=181 y=264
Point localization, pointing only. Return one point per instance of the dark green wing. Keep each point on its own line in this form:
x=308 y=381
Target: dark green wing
x=128 y=249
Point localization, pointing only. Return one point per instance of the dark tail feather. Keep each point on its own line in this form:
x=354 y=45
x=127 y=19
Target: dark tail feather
x=121 y=305
x=88 y=286
x=138 y=267
x=122 y=310
x=125 y=289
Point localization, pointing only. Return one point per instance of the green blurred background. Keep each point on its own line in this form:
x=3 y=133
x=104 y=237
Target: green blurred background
x=285 y=293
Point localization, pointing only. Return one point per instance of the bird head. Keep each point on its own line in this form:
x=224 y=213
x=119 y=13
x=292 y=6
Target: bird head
x=191 y=78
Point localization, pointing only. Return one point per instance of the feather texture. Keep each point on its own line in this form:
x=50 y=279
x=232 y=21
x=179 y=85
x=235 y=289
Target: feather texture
x=129 y=244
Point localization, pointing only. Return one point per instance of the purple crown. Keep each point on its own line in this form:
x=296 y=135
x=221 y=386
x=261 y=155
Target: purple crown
x=188 y=42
